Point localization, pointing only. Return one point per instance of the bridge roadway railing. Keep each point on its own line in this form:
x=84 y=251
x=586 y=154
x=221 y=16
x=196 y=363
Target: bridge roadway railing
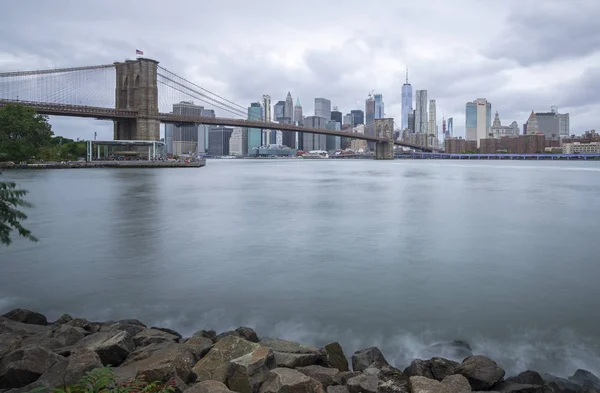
x=46 y=108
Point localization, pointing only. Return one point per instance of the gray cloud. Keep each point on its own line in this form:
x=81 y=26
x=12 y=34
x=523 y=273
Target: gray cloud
x=338 y=50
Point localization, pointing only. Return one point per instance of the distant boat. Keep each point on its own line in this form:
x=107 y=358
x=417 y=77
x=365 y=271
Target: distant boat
x=315 y=154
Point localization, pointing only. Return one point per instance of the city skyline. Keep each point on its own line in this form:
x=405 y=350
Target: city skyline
x=517 y=75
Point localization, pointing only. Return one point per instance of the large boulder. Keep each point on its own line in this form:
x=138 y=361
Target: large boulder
x=125 y=325
x=434 y=368
x=26 y=316
x=153 y=336
x=209 y=386
x=291 y=354
x=528 y=377
x=92 y=327
x=243 y=332
x=25 y=365
x=285 y=380
x=169 y=331
x=20 y=328
x=481 y=372
x=511 y=387
x=335 y=357
x=9 y=342
x=214 y=364
x=338 y=389
x=63 y=319
x=451 y=384
x=561 y=385
x=366 y=358
x=199 y=345
x=66 y=335
x=112 y=347
x=247 y=373
x=326 y=376
x=586 y=379
x=65 y=372
x=205 y=333
x=159 y=362
x=385 y=379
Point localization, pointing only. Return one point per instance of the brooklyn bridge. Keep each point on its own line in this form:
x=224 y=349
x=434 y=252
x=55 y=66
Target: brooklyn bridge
x=137 y=96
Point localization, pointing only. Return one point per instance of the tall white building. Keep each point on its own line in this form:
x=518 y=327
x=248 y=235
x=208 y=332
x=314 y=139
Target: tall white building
x=238 y=142
x=406 y=102
x=478 y=120
x=499 y=131
x=267 y=118
x=421 y=112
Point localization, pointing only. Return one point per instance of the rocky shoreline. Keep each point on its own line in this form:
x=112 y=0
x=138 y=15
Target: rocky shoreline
x=35 y=353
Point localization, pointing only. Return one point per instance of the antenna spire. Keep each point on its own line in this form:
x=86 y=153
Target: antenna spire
x=407 y=75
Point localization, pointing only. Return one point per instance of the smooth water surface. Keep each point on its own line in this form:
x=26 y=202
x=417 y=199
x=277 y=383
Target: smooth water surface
x=402 y=254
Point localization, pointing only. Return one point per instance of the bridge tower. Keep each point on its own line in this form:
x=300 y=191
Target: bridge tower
x=384 y=128
x=136 y=89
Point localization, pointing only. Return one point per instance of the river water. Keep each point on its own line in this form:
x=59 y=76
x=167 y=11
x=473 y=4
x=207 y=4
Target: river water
x=402 y=254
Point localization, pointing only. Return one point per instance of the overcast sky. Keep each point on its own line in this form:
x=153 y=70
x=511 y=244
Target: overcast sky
x=521 y=55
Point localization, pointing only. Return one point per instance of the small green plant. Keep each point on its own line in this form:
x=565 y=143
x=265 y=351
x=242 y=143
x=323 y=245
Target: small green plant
x=102 y=380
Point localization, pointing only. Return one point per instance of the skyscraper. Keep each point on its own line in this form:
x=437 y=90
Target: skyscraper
x=370 y=116
x=323 y=108
x=450 y=123
x=379 y=106
x=279 y=111
x=406 y=103
x=348 y=120
x=478 y=120
x=266 y=117
x=533 y=126
x=310 y=142
x=421 y=112
x=288 y=137
x=411 y=121
x=254 y=134
x=289 y=108
x=298 y=118
x=218 y=141
x=336 y=115
x=358 y=117
x=432 y=128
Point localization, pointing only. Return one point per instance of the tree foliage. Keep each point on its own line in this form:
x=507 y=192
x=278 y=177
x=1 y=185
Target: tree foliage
x=11 y=199
x=22 y=132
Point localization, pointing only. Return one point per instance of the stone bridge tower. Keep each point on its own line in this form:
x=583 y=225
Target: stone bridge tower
x=136 y=89
x=384 y=128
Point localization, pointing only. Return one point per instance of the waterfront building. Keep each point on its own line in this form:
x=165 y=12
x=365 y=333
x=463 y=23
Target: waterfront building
x=267 y=118
x=532 y=124
x=288 y=138
x=498 y=130
x=333 y=142
x=432 y=138
x=218 y=141
x=478 y=119
x=255 y=112
x=185 y=138
x=308 y=141
x=581 y=148
x=238 y=142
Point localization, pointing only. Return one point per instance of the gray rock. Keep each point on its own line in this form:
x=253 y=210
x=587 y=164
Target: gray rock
x=20 y=328
x=586 y=379
x=159 y=362
x=335 y=357
x=419 y=368
x=326 y=376
x=26 y=316
x=346 y=375
x=112 y=347
x=442 y=368
x=67 y=335
x=206 y=334
x=133 y=321
x=63 y=319
x=369 y=357
x=285 y=380
x=92 y=327
x=391 y=380
x=153 y=336
x=247 y=334
x=338 y=389
x=291 y=354
x=199 y=345
x=9 y=342
x=455 y=350
x=132 y=328
x=561 y=385
x=25 y=365
x=368 y=381
x=209 y=386
x=167 y=330
x=451 y=384
x=528 y=377
x=248 y=372
x=214 y=365
x=481 y=372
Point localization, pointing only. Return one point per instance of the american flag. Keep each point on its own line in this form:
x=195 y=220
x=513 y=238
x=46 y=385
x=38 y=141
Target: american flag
x=139 y=52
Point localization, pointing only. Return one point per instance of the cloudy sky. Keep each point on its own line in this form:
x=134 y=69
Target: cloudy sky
x=520 y=55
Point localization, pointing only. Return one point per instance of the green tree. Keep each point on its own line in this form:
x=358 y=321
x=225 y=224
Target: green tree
x=11 y=199
x=22 y=132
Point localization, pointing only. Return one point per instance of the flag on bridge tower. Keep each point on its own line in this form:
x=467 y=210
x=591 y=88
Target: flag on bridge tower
x=139 y=52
